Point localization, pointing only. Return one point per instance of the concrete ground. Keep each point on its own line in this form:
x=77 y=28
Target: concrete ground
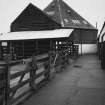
x=82 y=83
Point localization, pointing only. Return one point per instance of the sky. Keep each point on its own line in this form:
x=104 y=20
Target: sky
x=91 y=10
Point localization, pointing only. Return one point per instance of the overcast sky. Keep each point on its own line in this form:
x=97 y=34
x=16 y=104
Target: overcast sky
x=91 y=10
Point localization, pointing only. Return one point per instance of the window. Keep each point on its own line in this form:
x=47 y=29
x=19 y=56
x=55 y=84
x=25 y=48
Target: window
x=4 y=43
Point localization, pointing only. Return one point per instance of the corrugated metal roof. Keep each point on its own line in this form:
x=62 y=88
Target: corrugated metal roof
x=63 y=14
x=26 y=35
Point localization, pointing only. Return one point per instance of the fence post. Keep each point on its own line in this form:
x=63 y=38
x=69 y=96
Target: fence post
x=3 y=90
x=33 y=69
x=7 y=59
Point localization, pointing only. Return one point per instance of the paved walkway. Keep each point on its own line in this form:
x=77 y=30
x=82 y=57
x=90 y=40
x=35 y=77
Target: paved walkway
x=80 y=84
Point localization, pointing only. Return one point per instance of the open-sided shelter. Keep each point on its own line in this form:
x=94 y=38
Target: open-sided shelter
x=24 y=44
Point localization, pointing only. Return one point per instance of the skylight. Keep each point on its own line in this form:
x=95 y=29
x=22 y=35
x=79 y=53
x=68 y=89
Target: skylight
x=53 y=4
x=68 y=11
x=66 y=20
x=76 y=21
x=50 y=13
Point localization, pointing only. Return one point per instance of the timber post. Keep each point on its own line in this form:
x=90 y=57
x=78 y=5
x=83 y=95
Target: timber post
x=7 y=60
x=3 y=83
x=33 y=68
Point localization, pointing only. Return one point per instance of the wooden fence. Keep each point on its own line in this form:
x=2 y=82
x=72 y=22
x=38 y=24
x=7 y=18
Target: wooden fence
x=19 y=79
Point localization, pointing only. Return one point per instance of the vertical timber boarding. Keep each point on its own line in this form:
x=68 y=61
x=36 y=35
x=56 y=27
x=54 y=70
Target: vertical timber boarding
x=101 y=51
x=102 y=55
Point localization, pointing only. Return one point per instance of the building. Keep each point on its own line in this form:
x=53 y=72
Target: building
x=33 y=19
x=84 y=34
x=32 y=32
x=101 y=46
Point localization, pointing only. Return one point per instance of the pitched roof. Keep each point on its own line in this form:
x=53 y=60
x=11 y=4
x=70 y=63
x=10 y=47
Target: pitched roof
x=33 y=19
x=63 y=14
